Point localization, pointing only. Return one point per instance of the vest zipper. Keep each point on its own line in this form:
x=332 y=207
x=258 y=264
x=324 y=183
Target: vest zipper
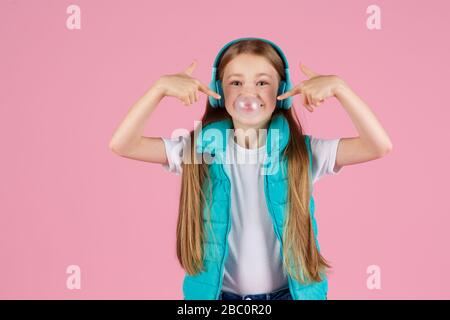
x=228 y=231
x=222 y=267
x=269 y=207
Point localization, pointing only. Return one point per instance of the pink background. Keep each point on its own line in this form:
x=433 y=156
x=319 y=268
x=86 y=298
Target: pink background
x=66 y=199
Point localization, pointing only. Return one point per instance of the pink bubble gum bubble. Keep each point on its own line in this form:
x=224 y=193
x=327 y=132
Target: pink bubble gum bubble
x=248 y=106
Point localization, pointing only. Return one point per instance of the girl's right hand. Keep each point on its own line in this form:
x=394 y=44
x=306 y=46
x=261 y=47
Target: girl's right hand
x=183 y=86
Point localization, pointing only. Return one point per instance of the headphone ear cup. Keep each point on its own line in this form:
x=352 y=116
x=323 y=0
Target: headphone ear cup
x=281 y=90
x=220 y=101
x=287 y=103
x=213 y=101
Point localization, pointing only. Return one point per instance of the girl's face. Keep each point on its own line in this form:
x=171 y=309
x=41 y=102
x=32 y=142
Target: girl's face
x=250 y=75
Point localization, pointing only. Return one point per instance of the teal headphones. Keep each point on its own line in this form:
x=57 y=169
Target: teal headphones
x=283 y=86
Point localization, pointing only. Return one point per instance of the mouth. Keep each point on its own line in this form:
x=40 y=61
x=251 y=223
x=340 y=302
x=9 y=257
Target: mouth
x=251 y=107
x=248 y=106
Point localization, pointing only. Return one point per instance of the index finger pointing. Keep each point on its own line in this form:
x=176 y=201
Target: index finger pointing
x=203 y=88
x=288 y=94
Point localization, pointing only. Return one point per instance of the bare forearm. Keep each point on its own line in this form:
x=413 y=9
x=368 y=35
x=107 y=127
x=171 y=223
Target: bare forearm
x=371 y=132
x=129 y=131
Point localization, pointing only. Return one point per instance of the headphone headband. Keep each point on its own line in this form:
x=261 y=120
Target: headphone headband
x=284 y=85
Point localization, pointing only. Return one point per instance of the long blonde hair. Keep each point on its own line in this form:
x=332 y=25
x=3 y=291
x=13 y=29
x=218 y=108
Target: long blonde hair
x=298 y=238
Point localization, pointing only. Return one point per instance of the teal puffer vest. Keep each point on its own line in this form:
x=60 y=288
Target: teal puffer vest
x=212 y=140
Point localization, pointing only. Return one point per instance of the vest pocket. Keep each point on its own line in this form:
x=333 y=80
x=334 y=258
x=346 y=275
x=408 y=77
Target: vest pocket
x=278 y=191
x=217 y=188
x=213 y=251
x=210 y=275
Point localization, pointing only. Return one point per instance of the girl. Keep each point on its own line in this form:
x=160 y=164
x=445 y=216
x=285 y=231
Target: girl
x=245 y=231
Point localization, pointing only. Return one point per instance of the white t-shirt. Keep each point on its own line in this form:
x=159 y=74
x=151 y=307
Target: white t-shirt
x=254 y=264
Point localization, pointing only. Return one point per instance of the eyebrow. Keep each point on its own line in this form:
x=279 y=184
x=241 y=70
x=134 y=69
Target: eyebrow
x=258 y=74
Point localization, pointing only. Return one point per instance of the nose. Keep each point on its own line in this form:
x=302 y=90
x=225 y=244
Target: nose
x=249 y=93
x=249 y=90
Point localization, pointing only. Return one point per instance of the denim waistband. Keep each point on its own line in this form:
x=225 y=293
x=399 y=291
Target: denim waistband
x=261 y=296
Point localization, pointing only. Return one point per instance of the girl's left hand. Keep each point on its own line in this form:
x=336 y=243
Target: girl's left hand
x=316 y=89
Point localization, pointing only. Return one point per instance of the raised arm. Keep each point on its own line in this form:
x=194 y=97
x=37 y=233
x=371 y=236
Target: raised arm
x=372 y=143
x=128 y=141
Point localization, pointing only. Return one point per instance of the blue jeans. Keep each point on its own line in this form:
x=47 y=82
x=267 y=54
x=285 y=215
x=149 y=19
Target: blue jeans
x=281 y=294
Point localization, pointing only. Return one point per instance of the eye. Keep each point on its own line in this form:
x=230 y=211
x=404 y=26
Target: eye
x=232 y=83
